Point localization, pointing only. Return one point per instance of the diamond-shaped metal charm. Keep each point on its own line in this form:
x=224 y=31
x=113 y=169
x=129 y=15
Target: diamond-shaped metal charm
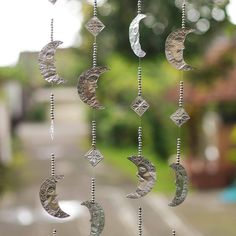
x=94 y=156
x=180 y=117
x=139 y=105
x=94 y=26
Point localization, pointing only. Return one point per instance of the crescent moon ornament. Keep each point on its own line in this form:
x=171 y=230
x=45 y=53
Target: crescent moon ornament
x=146 y=175
x=47 y=63
x=87 y=86
x=174 y=49
x=48 y=197
x=181 y=184
x=134 y=36
x=97 y=217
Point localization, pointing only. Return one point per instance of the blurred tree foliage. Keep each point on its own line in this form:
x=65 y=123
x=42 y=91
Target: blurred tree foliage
x=118 y=88
x=163 y=16
x=118 y=123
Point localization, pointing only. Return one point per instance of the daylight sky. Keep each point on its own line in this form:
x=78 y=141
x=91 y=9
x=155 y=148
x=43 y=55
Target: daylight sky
x=25 y=25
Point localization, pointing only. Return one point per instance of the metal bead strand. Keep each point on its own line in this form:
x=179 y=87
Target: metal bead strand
x=178 y=150
x=52 y=106
x=140 y=141
x=173 y=232
x=93 y=190
x=139 y=81
x=52 y=164
x=52 y=29
x=140 y=222
x=139 y=6
x=95 y=53
x=181 y=93
x=183 y=14
x=95 y=8
x=54 y=233
x=94 y=133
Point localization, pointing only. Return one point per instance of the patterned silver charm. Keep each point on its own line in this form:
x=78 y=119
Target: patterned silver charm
x=174 y=49
x=48 y=197
x=139 y=105
x=146 y=175
x=94 y=156
x=97 y=217
x=181 y=184
x=47 y=63
x=94 y=26
x=180 y=117
x=87 y=85
x=134 y=36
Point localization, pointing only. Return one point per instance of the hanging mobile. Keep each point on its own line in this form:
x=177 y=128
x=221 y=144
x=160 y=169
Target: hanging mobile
x=86 y=88
x=47 y=193
x=174 y=54
x=146 y=170
x=87 y=85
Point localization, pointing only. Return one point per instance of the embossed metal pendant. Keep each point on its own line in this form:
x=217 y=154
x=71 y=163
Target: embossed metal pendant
x=87 y=85
x=139 y=105
x=181 y=184
x=48 y=197
x=146 y=175
x=94 y=156
x=97 y=217
x=95 y=26
x=47 y=63
x=180 y=117
x=134 y=36
x=174 y=48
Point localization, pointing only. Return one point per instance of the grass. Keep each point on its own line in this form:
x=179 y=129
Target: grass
x=118 y=158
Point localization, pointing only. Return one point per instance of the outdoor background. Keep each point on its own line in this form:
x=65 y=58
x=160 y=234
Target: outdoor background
x=208 y=140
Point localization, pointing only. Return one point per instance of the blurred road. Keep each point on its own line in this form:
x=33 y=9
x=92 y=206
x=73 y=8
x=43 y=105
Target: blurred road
x=21 y=213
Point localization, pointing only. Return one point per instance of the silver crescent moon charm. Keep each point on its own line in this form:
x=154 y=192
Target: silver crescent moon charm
x=87 y=85
x=146 y=175
x=97 y=217
x=134 y=36
x=47 y=63
x=174 y=48
x=181 y=184
x=48 y=197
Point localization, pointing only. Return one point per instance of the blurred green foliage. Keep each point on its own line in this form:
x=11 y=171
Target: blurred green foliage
x=163 y=16
x=118 y=123
x=36 y=113
x=118 y=88
x=9 y=173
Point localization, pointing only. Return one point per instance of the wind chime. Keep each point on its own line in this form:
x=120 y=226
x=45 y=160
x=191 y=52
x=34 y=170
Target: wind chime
x=86 y=88
x=146 y=170
x=47 y=194
x=174 y=53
